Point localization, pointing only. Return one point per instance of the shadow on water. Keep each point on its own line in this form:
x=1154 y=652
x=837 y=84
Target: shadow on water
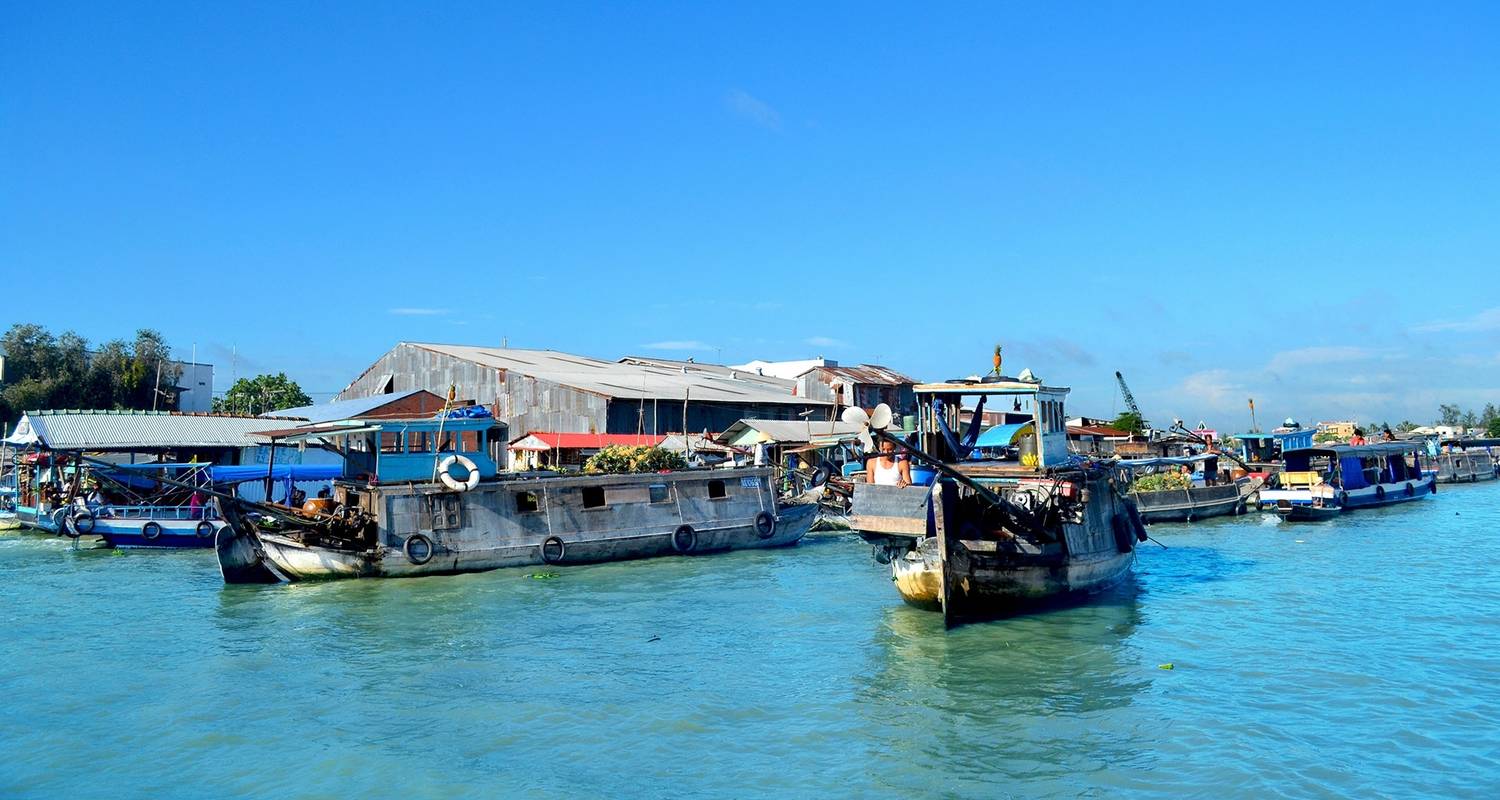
x=1017 y=685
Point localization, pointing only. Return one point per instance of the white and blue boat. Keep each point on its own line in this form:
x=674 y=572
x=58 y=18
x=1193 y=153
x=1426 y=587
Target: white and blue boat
x=1322 y=481
x=171 y=505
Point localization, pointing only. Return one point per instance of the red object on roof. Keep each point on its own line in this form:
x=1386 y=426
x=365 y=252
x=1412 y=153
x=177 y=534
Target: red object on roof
x=1097 y=430
x=583 y=441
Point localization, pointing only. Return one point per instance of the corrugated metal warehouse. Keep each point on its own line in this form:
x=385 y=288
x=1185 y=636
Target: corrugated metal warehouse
x=545 y=390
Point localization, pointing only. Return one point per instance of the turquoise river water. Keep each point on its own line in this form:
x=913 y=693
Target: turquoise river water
x=1354 y=658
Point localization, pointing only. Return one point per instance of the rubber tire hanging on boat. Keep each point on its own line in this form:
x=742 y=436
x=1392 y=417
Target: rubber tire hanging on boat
x=1411 y=491
x=452 y=482
x=562 y=550
x=684 y=539
x=204 y=529
x=765 y=525
x=78 y=521
x=882 y=554
x=431 y=548
x=1379 y=492
x=151 y=531
x=1343 y=498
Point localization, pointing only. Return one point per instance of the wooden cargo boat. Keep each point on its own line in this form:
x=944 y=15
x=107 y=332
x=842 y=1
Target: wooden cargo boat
x=1322 y=481
x=1192 y=502
x=398 y=521
x=1467 y=461
x=995 y=537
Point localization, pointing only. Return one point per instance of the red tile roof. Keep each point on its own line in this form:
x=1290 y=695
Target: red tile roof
x=587 y=441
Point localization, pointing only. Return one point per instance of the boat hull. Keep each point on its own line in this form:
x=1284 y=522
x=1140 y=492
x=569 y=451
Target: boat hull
x=971 y=579
x=249 y=555
x=1201 y=502
x=1469 y=467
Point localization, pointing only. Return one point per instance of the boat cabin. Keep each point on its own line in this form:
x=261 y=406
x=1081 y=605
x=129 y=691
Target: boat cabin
x=404 y=450
x=1041 y=440
x=1352 y=467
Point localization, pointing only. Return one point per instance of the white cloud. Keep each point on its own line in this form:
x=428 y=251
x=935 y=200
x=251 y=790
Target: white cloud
x=1213 y=389
x=824 y=341
x=1313 y=356
x=752 y=108
x=1486 y=320
x=688 y=344
x=418 y=312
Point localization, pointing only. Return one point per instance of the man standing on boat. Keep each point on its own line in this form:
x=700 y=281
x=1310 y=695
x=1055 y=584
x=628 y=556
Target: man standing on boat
x=886 y=469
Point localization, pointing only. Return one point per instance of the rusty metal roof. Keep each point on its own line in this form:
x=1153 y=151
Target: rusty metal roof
x=869 y=374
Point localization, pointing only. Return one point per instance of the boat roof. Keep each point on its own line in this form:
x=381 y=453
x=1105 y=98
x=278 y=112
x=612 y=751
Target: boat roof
x=134 y=431
x=1472 y=442
x=1004 y=435
x=1002 y=385
x=1360 y=450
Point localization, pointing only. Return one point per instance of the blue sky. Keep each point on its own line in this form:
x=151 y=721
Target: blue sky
x=1297 y=203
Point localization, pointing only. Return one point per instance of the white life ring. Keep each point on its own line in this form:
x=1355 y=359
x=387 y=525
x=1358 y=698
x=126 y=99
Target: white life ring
x=451 y=482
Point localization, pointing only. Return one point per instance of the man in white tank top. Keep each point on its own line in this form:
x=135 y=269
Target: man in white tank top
x=886 y=469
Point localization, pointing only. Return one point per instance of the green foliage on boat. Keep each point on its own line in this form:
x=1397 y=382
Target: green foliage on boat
x=1162 y=481
x=617 y=460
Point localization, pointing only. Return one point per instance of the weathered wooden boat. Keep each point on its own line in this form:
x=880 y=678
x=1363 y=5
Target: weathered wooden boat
x=396 y=520
x=1467 y=461
x=1192 y=502
x=996 y=537
x=1348 y=477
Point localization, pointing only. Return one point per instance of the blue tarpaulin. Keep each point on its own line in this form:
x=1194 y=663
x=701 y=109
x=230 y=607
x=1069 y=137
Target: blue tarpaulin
x=469 y=412
x=1003 y=435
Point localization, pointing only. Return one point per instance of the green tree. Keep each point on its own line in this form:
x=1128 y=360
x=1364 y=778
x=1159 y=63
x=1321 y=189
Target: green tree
x=1407 y=425
x=1449 y=415
x=1493 y=429
x=1130 y=422
x=261 y=394
x=46 y=371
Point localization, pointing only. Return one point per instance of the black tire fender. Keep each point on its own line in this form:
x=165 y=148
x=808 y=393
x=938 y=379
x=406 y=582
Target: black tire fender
x=553 y=545
x=765 y=525
x=204 y=529
x=83 y=521
x=151 y=531
x=684 y=539
x=422 y=556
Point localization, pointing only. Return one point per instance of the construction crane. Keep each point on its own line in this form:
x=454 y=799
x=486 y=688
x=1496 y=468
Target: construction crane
x=1130 y=399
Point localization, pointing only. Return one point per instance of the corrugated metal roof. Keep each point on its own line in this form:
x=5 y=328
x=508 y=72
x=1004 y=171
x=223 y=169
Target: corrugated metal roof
x=634 y=379
x=786 y=431
x=140 y=430
x=867 y=373
x=341 y=409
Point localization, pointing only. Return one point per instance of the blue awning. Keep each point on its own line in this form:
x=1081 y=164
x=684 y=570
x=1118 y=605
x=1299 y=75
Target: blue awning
x=1003 y=435
x=280 y=472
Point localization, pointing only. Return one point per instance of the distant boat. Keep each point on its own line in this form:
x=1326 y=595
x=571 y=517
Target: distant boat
x=1322 y=481
x=1467 y=461
x=993 y=536
x=396 y=520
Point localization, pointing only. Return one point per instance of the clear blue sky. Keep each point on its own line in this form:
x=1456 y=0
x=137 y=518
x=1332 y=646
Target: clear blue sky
x=1296 y=203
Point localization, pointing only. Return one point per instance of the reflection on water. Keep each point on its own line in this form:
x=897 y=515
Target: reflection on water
x=1348 y=659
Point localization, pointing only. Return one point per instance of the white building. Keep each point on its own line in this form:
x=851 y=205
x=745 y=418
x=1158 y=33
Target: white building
x=195 y=387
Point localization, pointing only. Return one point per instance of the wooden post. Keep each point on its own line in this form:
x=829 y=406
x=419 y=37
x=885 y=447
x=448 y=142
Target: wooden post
x=270 y=467
x=946 y=528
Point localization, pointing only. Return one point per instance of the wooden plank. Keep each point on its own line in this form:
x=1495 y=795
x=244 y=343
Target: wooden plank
x=944 y=517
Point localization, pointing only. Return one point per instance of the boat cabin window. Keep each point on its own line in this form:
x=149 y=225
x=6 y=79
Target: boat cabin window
x=418 y=442
x=527 y=502
x=660 y=493
x=593 y=497
x=390 y=442
x=716 y=490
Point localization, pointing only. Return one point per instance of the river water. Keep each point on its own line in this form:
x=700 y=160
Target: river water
x=1354 y=658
